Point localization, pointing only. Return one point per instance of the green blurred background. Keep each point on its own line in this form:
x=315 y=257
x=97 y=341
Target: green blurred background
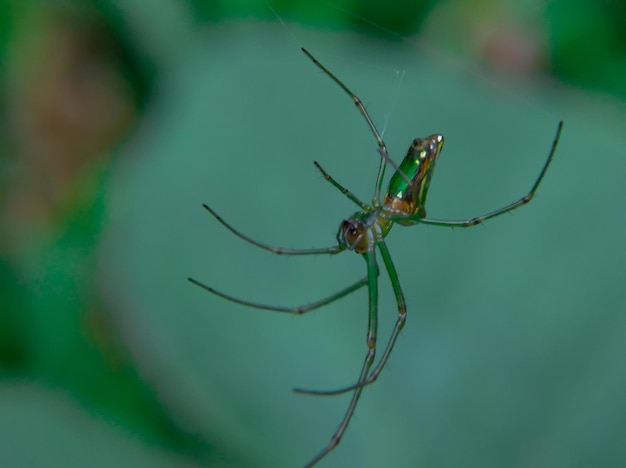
x=120 y=118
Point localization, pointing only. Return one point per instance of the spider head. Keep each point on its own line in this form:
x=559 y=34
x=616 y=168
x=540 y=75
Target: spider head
x=353 y=234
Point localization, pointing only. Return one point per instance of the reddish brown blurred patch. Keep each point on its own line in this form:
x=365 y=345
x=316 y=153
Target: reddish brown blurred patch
x=513 y=51
x=68 y=105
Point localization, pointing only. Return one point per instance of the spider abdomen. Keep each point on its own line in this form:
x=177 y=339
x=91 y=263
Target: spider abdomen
x=408 y=186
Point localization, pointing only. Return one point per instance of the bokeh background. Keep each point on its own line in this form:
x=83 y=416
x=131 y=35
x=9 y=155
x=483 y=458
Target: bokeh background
x=120 y=118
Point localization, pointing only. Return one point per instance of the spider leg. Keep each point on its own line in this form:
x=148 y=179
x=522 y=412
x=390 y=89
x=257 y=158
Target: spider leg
x=379 y=139
x=299 y=310
x=479 y=219
x=372 y=281
x=340 y=187
x=397 y=290
x=277 y=250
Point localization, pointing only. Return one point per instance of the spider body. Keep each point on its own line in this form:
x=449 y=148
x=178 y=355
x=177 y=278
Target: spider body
x=404 y=201
x=364 y=233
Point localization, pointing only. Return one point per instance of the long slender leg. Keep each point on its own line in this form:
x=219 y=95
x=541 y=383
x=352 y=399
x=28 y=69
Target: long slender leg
x=370 y=123
x=340 y=187
x=372 y=281
x=277 y=250
x=299 y=310
x=397 y=290
x=479 y=219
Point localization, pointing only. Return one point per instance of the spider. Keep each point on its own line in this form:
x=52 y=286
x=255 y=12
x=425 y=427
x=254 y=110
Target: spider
x=364 y=233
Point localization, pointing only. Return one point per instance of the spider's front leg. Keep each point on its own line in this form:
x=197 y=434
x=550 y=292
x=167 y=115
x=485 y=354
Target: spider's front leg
x=401 y=303
x=372 y=283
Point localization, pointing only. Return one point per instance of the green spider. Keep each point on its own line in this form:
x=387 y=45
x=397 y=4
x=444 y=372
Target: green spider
x=365 y=231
